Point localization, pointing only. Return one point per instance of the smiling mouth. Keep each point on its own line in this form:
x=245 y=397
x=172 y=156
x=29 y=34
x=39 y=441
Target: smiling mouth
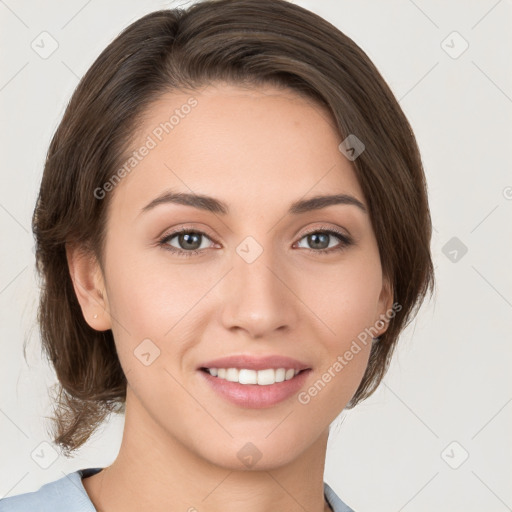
x=264 y=377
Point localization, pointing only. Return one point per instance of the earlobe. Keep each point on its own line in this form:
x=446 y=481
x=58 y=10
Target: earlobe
x=89 y=286
x=386 y=311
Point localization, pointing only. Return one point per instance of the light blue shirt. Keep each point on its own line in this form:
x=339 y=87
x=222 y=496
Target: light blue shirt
x=68 y=494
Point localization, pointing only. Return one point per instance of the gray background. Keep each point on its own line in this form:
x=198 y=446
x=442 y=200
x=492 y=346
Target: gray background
x=447 y=395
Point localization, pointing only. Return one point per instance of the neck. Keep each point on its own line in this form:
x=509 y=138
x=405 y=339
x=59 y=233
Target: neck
x=158 y=472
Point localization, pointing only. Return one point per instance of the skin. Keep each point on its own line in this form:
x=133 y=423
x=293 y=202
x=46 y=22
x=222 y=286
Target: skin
x=258 y=150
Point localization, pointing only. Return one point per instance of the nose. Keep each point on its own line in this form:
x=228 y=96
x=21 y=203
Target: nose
x=258 y=297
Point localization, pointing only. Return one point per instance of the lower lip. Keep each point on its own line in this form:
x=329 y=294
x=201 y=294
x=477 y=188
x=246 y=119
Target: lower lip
x=254 y=396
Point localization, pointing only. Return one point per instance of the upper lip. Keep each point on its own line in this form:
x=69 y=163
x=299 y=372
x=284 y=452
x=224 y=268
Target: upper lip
x=251 y=362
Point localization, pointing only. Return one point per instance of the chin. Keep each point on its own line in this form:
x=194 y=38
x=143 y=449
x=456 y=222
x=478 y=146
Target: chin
x=254 y=453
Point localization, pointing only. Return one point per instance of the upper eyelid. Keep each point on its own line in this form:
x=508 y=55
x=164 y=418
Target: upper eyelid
x=326 y=228
x=178 y=231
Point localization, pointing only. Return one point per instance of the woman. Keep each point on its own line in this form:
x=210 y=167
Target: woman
x=232 y=231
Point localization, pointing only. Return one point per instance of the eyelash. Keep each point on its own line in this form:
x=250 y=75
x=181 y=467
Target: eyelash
x=345 y=241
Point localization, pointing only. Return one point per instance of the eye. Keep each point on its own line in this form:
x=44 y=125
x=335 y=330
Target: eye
x=189 y=242
x=320 y=241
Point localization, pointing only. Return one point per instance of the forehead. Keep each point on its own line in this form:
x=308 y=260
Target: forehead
x=258 y=146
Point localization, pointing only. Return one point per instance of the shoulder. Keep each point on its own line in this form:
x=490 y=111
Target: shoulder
x=334 y=501
x=67 y=494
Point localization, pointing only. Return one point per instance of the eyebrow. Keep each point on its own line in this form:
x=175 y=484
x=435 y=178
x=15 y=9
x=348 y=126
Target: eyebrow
x=217 y=206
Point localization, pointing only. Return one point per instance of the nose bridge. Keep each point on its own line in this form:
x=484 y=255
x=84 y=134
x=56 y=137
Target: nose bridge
x=256 y=297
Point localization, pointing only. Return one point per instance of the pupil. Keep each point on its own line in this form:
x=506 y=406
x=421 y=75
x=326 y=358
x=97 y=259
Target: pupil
x=319 y=239
x=188 y=237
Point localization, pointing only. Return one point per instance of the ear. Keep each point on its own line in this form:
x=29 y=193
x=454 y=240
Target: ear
x=385 y=306
x=89 y=285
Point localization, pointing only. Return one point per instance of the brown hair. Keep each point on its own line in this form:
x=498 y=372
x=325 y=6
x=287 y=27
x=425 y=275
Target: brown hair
x=241 y=42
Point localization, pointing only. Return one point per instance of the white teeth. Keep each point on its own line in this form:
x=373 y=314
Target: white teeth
x=289 y=374
x=280 y=374
x=266 y=377
x=232 y=374
x=260 y=377
x=247 y=377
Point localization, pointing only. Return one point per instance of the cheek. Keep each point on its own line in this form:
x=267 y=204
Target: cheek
x=344 y=297
x=344 y=309
x=150 y=293
x=151 y=298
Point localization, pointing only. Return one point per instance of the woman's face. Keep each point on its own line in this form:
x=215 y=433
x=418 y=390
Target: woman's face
x=258 y=284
